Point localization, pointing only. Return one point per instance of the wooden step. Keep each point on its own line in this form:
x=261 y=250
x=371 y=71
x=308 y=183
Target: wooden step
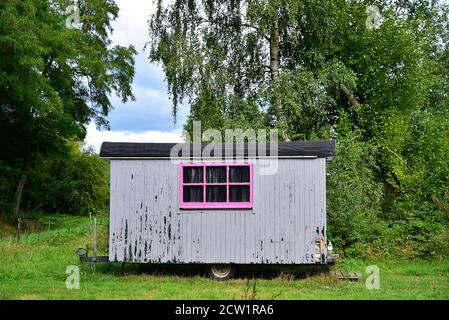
x=350 y=276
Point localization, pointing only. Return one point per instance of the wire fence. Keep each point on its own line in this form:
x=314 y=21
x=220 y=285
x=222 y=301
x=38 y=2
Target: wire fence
x=83 y=253
x=27 y=226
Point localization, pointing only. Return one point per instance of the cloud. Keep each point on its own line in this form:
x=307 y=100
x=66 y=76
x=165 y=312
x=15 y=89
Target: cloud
x=152 y=110
x=131 y=27
x=95 y=137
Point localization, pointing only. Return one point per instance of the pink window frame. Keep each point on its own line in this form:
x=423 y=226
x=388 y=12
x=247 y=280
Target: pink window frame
x=204 y=184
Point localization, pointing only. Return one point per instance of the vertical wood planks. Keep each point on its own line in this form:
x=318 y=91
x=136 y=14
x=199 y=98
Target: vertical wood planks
x=147 y=225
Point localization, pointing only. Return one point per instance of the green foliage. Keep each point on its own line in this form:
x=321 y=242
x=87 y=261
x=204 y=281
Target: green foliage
x=412 y=219
x=49 y=73
x=54 y=80
x=418 y=210
x=427 y=153
x=308 y=100
x=354 y=197
x=382 y=93
x=76 y=184
x=7 y=183
x=217 y=54
x=387 y=187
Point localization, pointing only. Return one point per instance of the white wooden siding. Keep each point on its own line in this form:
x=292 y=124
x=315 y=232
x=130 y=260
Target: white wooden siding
x=146 y=225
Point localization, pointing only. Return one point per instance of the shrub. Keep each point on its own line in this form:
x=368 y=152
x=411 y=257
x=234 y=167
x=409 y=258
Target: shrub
x=354 y=197
x=75 y=184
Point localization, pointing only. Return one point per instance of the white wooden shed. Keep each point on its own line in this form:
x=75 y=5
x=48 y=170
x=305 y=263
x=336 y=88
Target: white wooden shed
x=173 y=207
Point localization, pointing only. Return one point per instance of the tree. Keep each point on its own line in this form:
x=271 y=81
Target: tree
x=317 y=69
x=354 y=196
x=228 y=56
x=76 y=183
x=231 y=59
x=55 y=79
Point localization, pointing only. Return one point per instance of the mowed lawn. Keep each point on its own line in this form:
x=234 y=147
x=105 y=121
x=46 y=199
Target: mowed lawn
x=35 y=268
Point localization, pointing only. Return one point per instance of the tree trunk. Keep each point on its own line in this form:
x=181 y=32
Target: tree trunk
x=274 y=71
x=274 y=48
x=350 y=96
x=20 y=185
x=2 y=192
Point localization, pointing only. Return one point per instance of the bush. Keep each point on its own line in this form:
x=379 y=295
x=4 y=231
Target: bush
x=76 y=184
x=8 y=177
x=354 y=197
x=417 y=213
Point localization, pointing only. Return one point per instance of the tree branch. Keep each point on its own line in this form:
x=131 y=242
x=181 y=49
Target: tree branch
x=274 y=48
x=350 y=96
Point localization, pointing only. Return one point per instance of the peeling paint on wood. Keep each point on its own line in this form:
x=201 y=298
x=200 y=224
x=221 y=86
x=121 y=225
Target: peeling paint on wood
x=147 y=226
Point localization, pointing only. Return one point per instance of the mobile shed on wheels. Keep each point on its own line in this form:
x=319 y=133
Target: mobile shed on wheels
x=232 y=207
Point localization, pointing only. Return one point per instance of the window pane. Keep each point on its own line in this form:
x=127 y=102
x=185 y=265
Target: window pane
x=193 y=194
x=216 y=175
x=193 y=175
x=216 y=194
x=239 y=194
x=239 y=174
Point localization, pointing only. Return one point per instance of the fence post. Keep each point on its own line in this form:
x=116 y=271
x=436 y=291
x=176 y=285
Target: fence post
x=95 y=243
x=19 y=223
x=49 y=223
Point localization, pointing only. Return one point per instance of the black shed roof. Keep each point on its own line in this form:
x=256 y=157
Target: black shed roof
x=320 y=149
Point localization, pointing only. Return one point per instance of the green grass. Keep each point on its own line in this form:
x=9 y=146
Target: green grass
x=35 y=269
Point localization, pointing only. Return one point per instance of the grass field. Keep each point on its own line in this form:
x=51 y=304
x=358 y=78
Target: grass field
x=34 y=268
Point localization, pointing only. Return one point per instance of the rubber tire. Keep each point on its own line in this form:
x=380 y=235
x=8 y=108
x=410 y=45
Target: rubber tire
x=215 y=274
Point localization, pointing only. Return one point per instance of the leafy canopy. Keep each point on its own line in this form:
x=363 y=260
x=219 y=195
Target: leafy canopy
x=315 y=69
x=54 y=79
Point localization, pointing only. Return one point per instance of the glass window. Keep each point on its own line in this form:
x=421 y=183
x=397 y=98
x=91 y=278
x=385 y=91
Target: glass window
x=216 y=186
x=239 y=174
x=193 y=174
x=193 y=194
x=216 y=174
x=216 y=194
x=239 y=193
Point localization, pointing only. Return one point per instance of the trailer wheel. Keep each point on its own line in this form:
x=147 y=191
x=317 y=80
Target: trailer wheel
x=221 y=272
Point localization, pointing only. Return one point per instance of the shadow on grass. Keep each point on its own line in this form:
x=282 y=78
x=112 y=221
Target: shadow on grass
x=197 y=270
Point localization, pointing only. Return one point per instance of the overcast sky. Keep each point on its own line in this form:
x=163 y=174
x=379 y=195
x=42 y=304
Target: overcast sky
x=149 y=117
